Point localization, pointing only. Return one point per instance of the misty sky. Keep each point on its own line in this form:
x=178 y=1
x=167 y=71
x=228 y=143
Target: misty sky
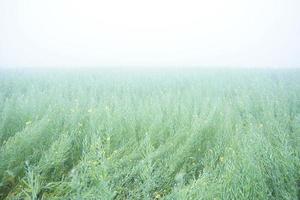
x=74 y=33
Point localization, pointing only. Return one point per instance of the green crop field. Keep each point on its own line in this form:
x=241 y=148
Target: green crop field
x=173 y=134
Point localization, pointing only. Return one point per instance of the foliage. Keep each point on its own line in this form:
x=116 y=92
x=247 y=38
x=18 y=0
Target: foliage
x=226 y=134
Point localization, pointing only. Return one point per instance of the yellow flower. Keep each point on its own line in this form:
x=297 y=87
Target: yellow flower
x=28 y=122
x=221 y=159
x=157 y=195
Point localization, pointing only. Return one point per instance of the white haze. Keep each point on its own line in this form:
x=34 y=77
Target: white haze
x=153 y=33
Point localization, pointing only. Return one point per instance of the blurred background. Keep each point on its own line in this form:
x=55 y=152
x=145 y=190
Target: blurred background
x=149 y=34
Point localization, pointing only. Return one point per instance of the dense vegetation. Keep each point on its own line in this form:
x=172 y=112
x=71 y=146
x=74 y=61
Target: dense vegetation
x=226 y=134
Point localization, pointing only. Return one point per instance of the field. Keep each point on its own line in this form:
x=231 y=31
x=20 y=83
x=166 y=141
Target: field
x=173 y=134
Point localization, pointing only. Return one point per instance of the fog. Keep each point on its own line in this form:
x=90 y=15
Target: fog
x=156 y=33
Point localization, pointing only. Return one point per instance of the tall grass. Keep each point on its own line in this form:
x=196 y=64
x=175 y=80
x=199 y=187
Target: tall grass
x=227 y=134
